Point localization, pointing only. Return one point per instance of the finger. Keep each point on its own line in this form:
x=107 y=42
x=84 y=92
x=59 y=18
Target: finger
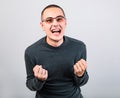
x=36 y=70
x=75 y=69
x=76 y=66
x=79 y=66
x=45 y=75
x=84 y=62
x=43 y=72
x=40 y=70
x=36 y=66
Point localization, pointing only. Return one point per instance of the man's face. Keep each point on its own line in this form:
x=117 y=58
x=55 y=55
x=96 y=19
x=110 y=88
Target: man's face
x=53 y=23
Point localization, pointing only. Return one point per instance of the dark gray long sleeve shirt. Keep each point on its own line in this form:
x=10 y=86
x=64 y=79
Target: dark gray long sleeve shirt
x=59 y=61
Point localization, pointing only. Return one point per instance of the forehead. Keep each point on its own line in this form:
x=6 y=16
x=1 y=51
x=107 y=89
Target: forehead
x=52 y=12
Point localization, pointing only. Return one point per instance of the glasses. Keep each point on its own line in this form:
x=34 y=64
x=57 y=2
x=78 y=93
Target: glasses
x=51 y=19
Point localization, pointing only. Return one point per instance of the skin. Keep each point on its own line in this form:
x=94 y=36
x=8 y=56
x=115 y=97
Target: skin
x=55 y=40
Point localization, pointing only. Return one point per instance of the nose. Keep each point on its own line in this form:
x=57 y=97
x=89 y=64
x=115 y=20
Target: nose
x=55 y=23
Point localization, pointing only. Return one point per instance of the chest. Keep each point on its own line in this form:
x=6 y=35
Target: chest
x=58 y=63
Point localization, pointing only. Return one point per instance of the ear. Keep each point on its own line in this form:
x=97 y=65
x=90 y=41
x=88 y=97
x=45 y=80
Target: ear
x=65 y=22
x=42 y=25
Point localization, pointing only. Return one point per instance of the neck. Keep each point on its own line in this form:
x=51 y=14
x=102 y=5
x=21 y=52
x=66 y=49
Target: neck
x=54 y=43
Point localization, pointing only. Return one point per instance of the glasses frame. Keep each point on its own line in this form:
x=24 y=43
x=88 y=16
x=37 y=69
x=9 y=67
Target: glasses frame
x=50 y=20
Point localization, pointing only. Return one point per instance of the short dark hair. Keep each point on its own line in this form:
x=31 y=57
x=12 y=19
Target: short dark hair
x=52 y=6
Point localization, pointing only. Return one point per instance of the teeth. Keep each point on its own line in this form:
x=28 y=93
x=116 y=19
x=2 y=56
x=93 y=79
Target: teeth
x=56 y=31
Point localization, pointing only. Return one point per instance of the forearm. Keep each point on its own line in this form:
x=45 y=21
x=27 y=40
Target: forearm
x=80 y=81
x=34 y=84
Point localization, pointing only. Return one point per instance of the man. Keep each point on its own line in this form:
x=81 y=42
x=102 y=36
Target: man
x=56 y=64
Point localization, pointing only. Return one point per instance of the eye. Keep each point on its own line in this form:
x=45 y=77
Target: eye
x=59 y=19
x=49 y=20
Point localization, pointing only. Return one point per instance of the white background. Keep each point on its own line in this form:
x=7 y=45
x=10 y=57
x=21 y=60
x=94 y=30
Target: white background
x=96 y=22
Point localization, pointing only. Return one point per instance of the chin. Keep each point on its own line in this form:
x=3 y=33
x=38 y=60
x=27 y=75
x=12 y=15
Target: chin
x=57 y=39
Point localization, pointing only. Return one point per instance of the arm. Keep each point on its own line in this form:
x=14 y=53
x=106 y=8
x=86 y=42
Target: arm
x=32 y=82
x=80 y=67
x=82 y=80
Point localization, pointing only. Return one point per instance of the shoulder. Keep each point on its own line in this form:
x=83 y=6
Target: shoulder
x=34 y=47
x=74 y=41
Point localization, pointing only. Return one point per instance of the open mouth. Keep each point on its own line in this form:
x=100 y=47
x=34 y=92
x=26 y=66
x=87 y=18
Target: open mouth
x=56 y=31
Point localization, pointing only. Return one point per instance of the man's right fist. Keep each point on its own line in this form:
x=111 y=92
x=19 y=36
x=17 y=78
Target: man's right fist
x=40 y=73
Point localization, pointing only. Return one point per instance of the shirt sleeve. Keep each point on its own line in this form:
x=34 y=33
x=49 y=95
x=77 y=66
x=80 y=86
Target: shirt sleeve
x=80 y=81
x=32 y=82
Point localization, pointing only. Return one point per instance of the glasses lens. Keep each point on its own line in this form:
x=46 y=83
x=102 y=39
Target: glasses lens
x=59 y=19
x=49 y=20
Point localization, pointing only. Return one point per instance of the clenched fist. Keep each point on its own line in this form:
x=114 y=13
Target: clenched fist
x=40 y=73
x=80 y=67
